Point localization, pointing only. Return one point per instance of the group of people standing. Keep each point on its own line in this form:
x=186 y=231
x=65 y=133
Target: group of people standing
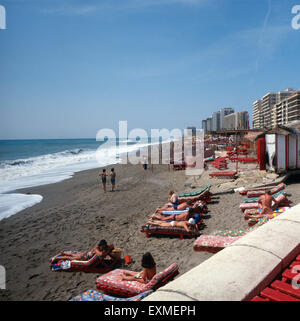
x=112 y=175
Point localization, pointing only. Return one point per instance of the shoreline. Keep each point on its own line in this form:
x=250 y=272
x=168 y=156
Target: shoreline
x=75 y=214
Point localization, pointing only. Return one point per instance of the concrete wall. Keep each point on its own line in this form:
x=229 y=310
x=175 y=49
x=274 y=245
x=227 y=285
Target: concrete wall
x=242 y=270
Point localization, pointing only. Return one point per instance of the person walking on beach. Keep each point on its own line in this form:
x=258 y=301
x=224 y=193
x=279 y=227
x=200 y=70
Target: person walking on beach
x=103 y=179
x=113 y=179
x=145 y=165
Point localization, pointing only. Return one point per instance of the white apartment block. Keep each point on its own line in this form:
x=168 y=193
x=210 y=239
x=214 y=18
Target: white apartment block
x=264 y=109
x=288 y=110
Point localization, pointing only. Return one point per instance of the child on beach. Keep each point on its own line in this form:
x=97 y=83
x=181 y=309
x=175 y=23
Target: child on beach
x=149 y=270
x=103 y=179
x=113 y=179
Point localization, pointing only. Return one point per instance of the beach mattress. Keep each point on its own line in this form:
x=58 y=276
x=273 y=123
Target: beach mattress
x=274 y=190
x=253 y=212
x=213 y=243
x=92 y=295
x=91 y=266
x=196 y=192
x=154 y=229
x=281 y=199
x=255 y=199
x=111 y=282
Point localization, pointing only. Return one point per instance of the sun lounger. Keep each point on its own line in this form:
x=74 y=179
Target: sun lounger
x=196 y=193
x=92 y=295
x=227 y=174
x=176 y=231
x=243 y=159
x=273 y=191
x=250 y=213
x=112 y=284
x=255 y=199
x=281 y=199
x=213 y=243
x=205 y=196
x=282 y=289
x=91 y=266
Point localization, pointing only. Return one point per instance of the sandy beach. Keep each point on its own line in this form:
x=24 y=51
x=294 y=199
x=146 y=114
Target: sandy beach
x=75 y=214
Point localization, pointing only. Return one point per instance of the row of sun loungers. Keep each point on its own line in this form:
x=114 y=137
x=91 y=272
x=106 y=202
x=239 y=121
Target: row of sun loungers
x=197 y=201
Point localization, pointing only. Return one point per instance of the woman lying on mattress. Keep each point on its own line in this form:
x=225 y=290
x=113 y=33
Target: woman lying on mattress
x=185 y=224
x=149 y=270
x=176 y=217
x=102 y=250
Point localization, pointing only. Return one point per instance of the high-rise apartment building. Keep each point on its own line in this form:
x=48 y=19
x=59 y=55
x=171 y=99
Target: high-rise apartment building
x=263 y=109
x=288 y=110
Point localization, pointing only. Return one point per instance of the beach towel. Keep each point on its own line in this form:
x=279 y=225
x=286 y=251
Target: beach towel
x=174 y=212
x=253 y=212
x=111 y=282
x=91 y=295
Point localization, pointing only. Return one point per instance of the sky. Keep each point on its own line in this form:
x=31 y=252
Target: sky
x=69 y=68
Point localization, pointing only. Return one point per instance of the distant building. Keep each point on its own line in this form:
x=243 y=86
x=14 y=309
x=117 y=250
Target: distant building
x=224 y=112
x=288 y=110
x=204 y=126
x=235 y=121
x=263 y=109
x=209 y=124
x=216 y=121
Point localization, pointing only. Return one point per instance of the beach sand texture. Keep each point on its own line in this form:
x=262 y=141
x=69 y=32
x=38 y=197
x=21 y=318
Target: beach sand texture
x=75 y=215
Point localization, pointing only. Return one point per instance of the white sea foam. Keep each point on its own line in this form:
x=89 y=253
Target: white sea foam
x=13 y=203
x=51 y=168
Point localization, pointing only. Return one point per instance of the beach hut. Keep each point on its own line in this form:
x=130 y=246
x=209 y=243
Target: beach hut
x=278 y=149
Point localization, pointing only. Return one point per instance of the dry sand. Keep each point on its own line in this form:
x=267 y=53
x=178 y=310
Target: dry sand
x=75 y=214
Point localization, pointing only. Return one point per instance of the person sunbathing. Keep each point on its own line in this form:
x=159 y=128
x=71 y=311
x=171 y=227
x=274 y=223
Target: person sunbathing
x=102 y=250
x=265 y=203
x=166 y=207
x=149 y=270
x=185 y=224
x=176 y=217
x=173 y=200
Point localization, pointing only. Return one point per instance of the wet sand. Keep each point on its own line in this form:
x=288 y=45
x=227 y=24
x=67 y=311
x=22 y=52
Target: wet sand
x=75 y=214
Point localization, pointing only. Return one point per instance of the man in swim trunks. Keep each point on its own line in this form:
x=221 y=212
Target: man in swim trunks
x=265 y=203
x=103 y=179
x=113 y=179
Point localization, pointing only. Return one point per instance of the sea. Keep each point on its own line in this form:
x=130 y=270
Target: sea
x=29 y=163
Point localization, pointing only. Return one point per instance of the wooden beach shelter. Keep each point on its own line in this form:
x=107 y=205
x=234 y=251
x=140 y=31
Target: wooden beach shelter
x=278 y=149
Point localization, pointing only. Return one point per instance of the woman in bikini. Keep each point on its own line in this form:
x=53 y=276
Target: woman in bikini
x=185 y=224
x=103 y=179
x=149 y=270
x=101 y=250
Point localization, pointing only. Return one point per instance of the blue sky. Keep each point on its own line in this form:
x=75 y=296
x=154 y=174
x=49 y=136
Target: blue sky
x=69 y=68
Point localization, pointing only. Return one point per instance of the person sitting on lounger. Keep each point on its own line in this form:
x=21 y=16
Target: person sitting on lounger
x=102 y=250
x=173 y=200
x=149 y=270
x=176 y=217
x=185 y=224
x=265 y=203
